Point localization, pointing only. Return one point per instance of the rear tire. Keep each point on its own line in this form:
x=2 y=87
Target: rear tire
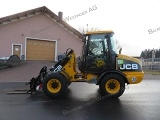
x=112 y=85
x=55 y=85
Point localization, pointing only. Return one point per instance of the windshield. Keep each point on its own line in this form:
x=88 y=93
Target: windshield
x=98 y=43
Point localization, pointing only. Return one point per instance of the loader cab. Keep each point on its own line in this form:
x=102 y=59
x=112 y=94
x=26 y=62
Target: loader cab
x=98 y=52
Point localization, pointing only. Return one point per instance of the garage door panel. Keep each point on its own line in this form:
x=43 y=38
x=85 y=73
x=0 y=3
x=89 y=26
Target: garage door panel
x=40 y=50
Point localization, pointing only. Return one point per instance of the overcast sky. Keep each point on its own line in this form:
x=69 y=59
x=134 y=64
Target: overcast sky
x=130 y=19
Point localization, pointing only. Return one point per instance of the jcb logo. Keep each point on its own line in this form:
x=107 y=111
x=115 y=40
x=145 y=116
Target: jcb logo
x=129 y=66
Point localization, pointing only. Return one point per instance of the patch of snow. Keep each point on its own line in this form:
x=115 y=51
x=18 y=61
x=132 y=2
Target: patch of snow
x=4 y=58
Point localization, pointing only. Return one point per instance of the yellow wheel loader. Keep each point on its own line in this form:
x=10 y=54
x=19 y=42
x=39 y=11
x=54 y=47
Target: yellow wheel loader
x=99 y=64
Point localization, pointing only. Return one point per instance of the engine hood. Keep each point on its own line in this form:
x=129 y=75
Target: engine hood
x=121 y=56
x=127 y=63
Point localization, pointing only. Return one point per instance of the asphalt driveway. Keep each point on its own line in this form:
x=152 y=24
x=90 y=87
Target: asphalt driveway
x=23 y=72
x=82 y=102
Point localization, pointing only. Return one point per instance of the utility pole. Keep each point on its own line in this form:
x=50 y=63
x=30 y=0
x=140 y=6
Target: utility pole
x=153 y=56
x=87 y=27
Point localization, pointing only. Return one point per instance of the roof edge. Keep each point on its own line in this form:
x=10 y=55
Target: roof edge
x=39 y=10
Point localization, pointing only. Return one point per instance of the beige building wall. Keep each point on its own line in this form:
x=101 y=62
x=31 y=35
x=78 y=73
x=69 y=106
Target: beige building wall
x=36 y=27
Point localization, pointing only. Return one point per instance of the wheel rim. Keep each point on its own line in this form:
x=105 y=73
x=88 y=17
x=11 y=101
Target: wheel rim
x=112 y=86
x=54 y=85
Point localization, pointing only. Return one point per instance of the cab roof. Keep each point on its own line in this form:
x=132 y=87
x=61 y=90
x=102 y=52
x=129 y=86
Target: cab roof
x=100 y=31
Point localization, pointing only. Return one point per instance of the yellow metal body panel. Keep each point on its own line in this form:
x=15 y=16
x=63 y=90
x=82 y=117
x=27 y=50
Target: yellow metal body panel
x=134 y=77
x=91 y=76
x=128 y=58
x=70 y=68
x=103 y=31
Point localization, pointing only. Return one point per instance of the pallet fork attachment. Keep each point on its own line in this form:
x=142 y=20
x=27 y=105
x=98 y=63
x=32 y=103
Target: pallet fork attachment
x=35 y=83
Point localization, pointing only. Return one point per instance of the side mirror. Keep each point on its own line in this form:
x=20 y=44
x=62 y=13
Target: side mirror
x=120 y=50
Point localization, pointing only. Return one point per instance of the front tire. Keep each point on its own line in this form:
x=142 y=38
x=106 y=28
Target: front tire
x=55 y=85
x=112 y=85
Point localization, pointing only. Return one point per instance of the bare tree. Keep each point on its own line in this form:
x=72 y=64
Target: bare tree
x=83 y=30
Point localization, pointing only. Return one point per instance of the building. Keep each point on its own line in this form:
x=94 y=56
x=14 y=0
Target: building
x=37 y=34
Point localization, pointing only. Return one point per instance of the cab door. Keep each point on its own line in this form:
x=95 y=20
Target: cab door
x=97 y=58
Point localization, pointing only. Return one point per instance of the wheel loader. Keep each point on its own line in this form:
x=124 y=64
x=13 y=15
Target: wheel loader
x=99 y=63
